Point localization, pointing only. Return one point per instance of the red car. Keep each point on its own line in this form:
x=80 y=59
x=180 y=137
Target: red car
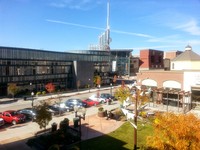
x=12 y=116
x=90 y=102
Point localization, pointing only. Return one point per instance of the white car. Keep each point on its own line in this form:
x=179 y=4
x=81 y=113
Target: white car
x=96 y=98
x=1 y=122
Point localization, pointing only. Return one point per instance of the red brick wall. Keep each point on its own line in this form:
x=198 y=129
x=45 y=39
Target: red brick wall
x=144 y=58
x=160 y=77
x=151 y=59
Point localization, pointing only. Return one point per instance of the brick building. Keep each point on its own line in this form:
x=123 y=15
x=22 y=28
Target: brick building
x=177 y=86
x=151 y=59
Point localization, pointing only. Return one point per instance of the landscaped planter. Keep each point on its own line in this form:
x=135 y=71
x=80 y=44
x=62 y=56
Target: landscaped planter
x=101 y=113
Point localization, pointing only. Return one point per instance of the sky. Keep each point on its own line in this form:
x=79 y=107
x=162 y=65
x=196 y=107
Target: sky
x=61 y=25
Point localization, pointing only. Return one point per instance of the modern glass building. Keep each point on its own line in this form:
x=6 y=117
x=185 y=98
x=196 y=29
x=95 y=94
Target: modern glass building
x=33 y=68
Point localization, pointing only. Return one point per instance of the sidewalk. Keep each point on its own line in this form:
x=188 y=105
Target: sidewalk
x=16 y=136
x=92 y=126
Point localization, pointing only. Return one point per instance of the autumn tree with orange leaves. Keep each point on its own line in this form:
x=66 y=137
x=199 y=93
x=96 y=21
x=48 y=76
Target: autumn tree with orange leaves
x=50 y=87
x=175 y=132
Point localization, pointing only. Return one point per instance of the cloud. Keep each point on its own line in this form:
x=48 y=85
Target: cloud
x=97 y=28
x=190 y=27
x=132 y=33
x=75 y=4
x=175 y=20
x=74 y=24
x=166 y=39
x=194 y=42
x=155 y=47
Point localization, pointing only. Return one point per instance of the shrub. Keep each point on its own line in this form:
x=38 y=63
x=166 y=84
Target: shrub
x=100 y=109
x=143 y=114
x=38 y=93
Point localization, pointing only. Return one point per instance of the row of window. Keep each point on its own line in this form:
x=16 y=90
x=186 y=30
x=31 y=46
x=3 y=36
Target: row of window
x=29 y=63
x=32 y=78
x=30 y=54
x=33 y=70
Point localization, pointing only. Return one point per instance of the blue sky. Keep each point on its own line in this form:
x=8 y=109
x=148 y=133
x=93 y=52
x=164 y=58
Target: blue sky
x=61 y=25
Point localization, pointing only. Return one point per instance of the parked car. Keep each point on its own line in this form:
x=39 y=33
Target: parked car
x=28 y=112
x=95 y=97
x=107 y=96
x=12 y=116
x=55 y=110
x=63 y=107
x=90 y=102
x=1 y=122
x=72 y=102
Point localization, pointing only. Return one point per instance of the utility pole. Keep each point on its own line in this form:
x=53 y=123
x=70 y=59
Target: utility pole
x=135 y=121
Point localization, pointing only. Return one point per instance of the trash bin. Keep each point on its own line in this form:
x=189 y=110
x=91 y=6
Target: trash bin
x=76 y=121
x=25 y=98
x=64 y=124
x=53 y=127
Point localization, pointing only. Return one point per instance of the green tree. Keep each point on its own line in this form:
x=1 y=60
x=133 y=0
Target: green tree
x=43 y=116
x=175 y=132
x=141 y=98
x=13 y=89
x=122 y=93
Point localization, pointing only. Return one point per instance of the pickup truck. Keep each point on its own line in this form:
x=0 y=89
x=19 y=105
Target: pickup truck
x=12 y=116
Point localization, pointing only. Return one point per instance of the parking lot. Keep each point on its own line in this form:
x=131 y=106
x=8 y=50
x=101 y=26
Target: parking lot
x=12 y=133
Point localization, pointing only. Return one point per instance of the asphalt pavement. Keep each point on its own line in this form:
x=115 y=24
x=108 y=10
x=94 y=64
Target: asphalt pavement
x=15 y=136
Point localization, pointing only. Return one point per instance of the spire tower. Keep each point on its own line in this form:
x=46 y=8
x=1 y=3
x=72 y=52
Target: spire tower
x=108 y=39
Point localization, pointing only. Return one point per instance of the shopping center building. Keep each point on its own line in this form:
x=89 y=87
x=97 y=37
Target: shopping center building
x=179 y=85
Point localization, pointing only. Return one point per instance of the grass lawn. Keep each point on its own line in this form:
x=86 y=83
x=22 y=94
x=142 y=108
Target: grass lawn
x=120 y=139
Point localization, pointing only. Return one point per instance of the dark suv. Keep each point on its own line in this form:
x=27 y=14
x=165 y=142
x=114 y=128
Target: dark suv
x=75 y=102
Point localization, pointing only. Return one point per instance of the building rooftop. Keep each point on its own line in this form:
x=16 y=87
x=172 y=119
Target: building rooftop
x=187 y=55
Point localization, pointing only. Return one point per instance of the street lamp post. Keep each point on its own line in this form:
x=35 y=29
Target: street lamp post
x=135 y=121
x=98 y=92
x=89 y=84
x=32 y=94
x=76 y=109
x=111 y=89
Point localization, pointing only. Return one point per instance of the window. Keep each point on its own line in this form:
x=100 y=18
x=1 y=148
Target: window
x=172 y=65
x=152 y=59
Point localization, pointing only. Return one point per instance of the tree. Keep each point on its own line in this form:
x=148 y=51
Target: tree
x=174 y=132
x=43 y=116
x=97 y=80
x=13 y=89
x=114 y=79
x=122 y=93
x=141 y=97
x=78 y=84
x=50 y=87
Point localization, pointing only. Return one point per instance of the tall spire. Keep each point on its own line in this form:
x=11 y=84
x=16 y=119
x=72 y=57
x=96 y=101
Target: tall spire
x=104 y=38
x=108 y=39
x=108 y=15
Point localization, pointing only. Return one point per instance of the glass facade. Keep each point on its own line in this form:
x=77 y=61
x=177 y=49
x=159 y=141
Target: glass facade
x=37 y=67
x=122 y=58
